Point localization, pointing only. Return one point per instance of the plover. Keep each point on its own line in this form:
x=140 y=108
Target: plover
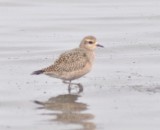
x=74 y=63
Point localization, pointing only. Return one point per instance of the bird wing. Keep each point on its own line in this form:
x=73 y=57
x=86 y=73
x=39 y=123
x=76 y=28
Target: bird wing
x=69 y=61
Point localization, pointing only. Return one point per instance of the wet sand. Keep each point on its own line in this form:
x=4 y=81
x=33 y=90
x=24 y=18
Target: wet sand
x=123 y=90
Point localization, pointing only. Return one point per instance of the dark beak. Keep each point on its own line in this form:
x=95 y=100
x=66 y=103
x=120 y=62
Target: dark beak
x=98 y=45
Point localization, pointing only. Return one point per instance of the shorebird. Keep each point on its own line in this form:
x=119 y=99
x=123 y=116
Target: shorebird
x=74 y=63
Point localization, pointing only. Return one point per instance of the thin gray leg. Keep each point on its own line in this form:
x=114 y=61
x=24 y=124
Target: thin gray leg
x=80 y=88
x=69 y=87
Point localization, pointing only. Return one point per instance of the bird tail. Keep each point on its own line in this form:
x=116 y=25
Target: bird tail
x=37 y=72
x=39 y=102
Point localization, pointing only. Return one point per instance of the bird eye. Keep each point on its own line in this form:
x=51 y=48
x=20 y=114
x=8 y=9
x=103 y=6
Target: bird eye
x=90 y=42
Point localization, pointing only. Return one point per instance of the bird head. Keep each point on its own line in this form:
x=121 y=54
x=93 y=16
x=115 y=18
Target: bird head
x=89 y=43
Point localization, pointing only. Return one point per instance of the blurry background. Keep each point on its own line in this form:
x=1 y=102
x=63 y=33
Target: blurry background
x=121 y=92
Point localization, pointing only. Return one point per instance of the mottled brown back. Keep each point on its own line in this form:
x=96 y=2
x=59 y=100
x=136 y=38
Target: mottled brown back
x=69 y=61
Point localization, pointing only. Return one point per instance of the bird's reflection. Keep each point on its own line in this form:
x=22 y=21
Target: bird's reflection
x=66 y=109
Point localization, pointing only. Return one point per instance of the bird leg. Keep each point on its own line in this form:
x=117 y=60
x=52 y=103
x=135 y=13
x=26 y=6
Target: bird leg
x=69 y=85
x=80 y=86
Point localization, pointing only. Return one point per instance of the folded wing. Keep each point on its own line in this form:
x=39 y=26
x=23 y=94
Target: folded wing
x=69 y=61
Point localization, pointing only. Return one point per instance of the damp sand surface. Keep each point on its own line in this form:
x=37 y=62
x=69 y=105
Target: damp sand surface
x=121 y=93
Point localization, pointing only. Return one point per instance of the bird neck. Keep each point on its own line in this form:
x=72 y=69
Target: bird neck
x=90 y=54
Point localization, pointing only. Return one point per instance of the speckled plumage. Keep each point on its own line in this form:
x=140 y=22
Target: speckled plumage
x=71 y=64
x=74 y=63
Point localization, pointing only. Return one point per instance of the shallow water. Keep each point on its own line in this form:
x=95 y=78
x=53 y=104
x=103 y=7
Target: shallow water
x=121 y=92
